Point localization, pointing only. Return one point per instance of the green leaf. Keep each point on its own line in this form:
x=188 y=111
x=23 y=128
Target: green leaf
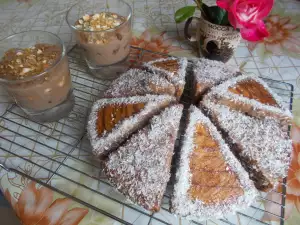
x=217 y=14
x=206 y=11
x=184 y=13
x=225 y=20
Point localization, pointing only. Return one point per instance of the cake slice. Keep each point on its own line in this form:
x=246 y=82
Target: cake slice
x=208 y=73
x=139 y=82
x=261 y=145
x=251 y=95
x=112 y=120
x=210 y=181
x=174 y=69
x=140 y=169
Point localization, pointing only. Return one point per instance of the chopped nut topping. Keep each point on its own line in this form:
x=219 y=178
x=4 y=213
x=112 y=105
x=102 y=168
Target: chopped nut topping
x=99 y=21
x=25 y=70
x=16 y=64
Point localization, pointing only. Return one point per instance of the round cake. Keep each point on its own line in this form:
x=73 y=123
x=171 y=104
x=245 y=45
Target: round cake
x=234 y=143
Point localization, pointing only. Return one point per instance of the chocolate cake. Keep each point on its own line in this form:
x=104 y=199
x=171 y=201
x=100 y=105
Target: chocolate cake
x=140 y=168
x=112 y=120
x=261 y=145
x=210 y=181
x=251 y=95
x=208 y=73
x=174 y=69
x=139 y=82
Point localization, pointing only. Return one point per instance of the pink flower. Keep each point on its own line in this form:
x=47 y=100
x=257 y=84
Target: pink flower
x=248 y=15
x=254 y=32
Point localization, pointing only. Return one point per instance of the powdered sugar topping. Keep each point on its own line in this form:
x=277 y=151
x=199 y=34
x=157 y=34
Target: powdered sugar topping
x=141 y=167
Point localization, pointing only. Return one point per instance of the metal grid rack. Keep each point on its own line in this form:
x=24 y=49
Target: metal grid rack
x=61 y=153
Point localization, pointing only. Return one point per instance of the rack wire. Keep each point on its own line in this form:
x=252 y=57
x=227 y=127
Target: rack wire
x=61 y=154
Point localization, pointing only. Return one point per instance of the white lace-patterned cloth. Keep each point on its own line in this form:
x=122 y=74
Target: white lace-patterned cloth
x=153 y=27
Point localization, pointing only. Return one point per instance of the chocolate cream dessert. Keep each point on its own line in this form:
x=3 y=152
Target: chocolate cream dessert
x=35 y=78
x=105 y=37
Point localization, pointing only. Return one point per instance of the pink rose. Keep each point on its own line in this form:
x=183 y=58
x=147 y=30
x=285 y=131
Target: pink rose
x=247 y=15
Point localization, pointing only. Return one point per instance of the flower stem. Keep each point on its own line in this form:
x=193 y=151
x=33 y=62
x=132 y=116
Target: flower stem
x=199 y=6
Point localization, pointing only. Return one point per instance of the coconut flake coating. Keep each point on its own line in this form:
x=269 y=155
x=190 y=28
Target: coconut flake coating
x=261 y=140
x=139 y=82
x=182 y=204
x=208 y=73
x=140 y=169
x=221 y=91
x=107 y=141
x=177 y=79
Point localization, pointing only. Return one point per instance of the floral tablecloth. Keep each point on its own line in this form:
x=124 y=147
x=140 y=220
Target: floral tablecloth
x=277 y=57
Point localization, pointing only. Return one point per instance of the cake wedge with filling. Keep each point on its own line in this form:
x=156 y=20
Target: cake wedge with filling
x=139 y=82
x=113 y=120
x=251 y=95
x=174 y=69
x=210 y=181
x=209 y=73
x=140 y=168
x=261 y=145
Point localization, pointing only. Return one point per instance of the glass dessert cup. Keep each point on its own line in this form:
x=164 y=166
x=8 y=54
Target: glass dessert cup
x=45 y=95
x=103 y=31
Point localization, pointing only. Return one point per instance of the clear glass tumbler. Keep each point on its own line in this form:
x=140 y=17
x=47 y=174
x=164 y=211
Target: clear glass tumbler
x=105 y=48
x=46 y=96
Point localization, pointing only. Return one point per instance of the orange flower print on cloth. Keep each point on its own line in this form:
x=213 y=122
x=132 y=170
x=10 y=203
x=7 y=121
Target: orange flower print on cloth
x=292 y=187
x=284 y=34
x=153 y=42
x=36 y=206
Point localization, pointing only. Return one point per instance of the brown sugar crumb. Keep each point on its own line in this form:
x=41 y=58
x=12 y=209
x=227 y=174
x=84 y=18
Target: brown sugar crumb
x=18 y=63
x=170 y=65
x=254 y=90
x=99 y=21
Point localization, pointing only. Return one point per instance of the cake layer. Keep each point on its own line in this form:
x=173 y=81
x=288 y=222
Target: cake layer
x=173 y=69
x=261 y=145
x=139 y=82
x=113 y=120
x=208 y=73
x=210 y=182
x=250 y=95
x=140 y=168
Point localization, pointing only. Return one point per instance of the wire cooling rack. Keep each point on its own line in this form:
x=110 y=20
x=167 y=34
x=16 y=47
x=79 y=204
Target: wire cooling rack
x=58 y=156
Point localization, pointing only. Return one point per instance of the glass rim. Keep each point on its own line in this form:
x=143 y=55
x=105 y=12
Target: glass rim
x=63 y=53
x=96 y=31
